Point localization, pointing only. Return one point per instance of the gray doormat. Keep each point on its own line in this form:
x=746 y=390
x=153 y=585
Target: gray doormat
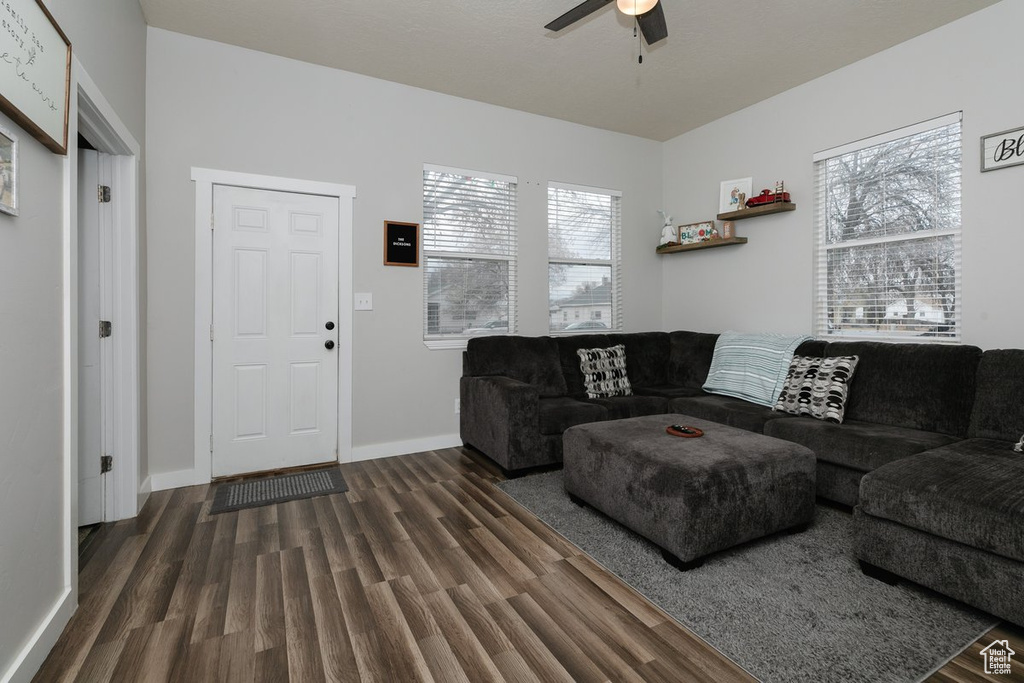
x=785 y=608
x=251 y=493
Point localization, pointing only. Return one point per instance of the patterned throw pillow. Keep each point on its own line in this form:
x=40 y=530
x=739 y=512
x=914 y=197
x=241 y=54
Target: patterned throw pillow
x=817 y=387
x=604 y=372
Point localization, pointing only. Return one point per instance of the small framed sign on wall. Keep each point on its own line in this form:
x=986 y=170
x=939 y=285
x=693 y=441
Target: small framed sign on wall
x=35 y=72
x=1000 y=150
x=401 y=244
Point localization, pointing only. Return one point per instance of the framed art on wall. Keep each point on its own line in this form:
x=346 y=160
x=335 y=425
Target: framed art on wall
x=8 y=172
x=35 y=72
x=401 y=244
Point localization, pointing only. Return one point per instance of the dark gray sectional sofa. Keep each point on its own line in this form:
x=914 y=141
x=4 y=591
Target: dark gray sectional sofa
x=924 y=453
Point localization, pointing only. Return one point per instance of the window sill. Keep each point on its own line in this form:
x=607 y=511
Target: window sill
x=576 y=333
x=446 y=344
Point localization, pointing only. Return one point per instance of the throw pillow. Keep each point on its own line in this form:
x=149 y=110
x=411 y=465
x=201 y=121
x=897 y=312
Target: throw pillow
x=604 y=372
x=817 y=387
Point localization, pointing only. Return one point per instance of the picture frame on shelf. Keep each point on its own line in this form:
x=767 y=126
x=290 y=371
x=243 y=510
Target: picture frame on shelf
x=8 y=172
x=733 y=194
x=692 y=233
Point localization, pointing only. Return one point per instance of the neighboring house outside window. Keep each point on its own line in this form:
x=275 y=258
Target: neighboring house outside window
x=584 y=233
x=469 y=255
x=888 y=235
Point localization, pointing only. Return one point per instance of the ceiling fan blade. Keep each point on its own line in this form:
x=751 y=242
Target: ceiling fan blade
x=652 y=24
x=581 y=10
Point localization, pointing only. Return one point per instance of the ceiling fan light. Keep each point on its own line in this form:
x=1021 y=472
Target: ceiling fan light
x=635 y=7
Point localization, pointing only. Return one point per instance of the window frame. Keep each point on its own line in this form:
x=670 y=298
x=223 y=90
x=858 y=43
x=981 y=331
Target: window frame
x=823 y=296
x=614 y=262
x=459 y=341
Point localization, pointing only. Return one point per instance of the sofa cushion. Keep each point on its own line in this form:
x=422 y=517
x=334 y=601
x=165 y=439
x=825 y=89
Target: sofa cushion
x=999 y=403
x=570 y=360
x=667 y=391
x=646 y=356
x=858 y=445
x=621 y=407
x=558 y=413
x=817 y=387
x=971 y=492
x=918 y=386
x=734 y=412
x=533 y=360
x=690 y=355
x=604 y=372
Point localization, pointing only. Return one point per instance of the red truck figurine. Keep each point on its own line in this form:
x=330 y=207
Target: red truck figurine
x=767 y=197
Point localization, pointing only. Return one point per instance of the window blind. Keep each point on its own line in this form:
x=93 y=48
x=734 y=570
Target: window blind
x=469 y=253
x=887 y=214
x=584 y=288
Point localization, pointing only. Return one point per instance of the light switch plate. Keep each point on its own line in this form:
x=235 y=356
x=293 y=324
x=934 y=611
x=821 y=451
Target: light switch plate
x=364 y=301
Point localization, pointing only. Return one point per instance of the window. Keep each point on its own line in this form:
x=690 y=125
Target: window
x=469 y=255
x=888 y=235
x=583 y=258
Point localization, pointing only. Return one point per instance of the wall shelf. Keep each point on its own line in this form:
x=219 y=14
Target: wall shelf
x=763 y=210
x=702 y=245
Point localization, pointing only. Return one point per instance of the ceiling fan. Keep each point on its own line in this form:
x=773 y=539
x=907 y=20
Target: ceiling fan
x=648 y=13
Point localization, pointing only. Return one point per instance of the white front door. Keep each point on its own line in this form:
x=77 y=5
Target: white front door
x=94 y=366
x=275 y=333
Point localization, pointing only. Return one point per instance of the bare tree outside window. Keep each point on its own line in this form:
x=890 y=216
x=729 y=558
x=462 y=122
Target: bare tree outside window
x=469 y=247
x=889 y=238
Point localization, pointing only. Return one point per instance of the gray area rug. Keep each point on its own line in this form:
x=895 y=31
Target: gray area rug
x=250 y=493
x=785 y=608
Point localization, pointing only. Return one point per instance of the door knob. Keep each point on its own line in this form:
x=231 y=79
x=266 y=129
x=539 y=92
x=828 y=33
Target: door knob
x=329 y=325
x=329 y=344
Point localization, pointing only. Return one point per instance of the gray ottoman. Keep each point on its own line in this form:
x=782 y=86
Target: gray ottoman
x=692 y=496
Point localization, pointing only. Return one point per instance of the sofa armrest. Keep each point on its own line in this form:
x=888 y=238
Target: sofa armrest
x=500 y=417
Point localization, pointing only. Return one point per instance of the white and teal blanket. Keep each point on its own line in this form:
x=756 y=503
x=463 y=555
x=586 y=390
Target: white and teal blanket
x=751 y=366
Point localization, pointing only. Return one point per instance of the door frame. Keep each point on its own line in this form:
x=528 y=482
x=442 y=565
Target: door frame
x=97 y=120
x=205 y=179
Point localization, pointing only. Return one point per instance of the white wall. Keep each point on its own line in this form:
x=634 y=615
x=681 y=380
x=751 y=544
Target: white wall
x=216 y=106
x=973 y=65
x=109 y=39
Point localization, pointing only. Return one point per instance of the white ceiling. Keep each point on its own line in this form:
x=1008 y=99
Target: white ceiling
x=720 y=55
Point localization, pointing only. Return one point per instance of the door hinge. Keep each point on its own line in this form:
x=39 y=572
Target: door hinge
x=211 y=220
x=106 y=463
x=211 y=443
x=105 y=329
x=211 y=332
x=103 y=193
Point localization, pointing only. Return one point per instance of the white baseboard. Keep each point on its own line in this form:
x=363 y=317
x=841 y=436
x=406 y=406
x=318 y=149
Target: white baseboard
x=386 y=450
x=28 y=661
x=144 y=491
x=161 y=481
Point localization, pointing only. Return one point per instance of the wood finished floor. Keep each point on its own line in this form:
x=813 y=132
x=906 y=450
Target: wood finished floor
x=423 y=570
